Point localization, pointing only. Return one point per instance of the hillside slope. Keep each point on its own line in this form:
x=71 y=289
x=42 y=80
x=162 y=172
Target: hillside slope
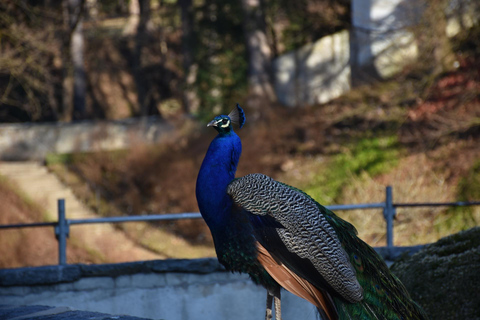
x=102 y=241
x=425 y=144
x=419 y=134
x=33 y=246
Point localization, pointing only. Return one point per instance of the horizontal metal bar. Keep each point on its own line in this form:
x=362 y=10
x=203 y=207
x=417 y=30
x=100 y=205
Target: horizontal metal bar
x=438 y=204
x=152 y=217
x=28 y=225
x=356 y=206
x=196 y=215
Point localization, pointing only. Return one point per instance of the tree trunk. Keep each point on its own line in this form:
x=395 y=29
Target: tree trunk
x=79 y=75
x=146 y=104
x=73 y=83
x=260 y=56
x=133 y=18
x=189 y=96
x=443 y=53
x=91 y=12
x=65 y=111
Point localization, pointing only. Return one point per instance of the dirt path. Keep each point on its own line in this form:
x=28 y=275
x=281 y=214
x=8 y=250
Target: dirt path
x=44 y=188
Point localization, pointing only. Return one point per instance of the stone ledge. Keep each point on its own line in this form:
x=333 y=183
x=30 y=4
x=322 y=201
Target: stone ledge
x=54 y=313
x=33 y=141
x=31 y=276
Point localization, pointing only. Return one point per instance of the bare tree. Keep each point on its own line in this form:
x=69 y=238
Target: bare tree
x=73 y=61
x=91 y=10
x=79 y=76
x=133 y=18
x=189 y=96
x=141 y=39
x=139 y=26
x=259 y=52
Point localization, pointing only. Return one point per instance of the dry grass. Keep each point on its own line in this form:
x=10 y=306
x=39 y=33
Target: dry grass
x=414 y=180
x=33 y=246
x=182 y=239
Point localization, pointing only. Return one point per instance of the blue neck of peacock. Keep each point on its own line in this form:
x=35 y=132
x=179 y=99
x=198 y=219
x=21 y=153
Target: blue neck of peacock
x=217 y=171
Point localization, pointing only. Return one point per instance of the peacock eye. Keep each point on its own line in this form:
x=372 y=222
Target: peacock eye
x=224 y=121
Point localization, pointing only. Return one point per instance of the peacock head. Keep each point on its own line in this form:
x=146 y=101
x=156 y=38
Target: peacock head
x=223 y=123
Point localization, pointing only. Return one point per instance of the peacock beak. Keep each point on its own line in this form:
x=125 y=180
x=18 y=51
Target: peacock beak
x=212 y=123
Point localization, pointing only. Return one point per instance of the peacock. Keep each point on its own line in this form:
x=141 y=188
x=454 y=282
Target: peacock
x=283 y=238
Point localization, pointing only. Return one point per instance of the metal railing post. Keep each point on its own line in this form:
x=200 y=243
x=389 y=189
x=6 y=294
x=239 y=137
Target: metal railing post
x=389 y=214
x=62 y=233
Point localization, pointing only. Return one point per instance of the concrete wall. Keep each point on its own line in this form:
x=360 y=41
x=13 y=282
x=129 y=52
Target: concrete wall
x=24 y=312
x=381 y=40
x=379 y=44
x=316 y=73
x=33 y=141
x=167 y=289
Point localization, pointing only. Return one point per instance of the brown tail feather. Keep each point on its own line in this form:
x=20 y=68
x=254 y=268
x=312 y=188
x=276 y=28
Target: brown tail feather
x=295 y=284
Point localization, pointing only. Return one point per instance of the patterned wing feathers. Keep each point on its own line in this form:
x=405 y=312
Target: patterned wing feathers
x=306 y=231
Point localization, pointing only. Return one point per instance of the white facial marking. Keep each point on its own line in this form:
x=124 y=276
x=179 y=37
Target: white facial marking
x=224 y=125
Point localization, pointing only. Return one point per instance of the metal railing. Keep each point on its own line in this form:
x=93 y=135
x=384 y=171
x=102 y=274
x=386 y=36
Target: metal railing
x=62 y=226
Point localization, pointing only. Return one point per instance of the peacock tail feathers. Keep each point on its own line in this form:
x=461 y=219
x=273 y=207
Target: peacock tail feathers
x=361 y=285
x=385 y=297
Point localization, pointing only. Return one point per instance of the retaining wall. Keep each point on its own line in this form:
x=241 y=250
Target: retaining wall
x=33 y=141
x=163 y=289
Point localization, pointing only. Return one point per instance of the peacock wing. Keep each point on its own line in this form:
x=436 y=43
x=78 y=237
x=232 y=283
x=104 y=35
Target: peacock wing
x=291 y=227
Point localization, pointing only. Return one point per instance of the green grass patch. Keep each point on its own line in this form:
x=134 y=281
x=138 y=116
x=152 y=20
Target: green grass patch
x=59 y=158
x=372 y=156
x=469 y=186
x=462 y=218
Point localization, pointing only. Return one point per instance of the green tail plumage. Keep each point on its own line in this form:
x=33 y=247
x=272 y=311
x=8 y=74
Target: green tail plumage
x=385 y=297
